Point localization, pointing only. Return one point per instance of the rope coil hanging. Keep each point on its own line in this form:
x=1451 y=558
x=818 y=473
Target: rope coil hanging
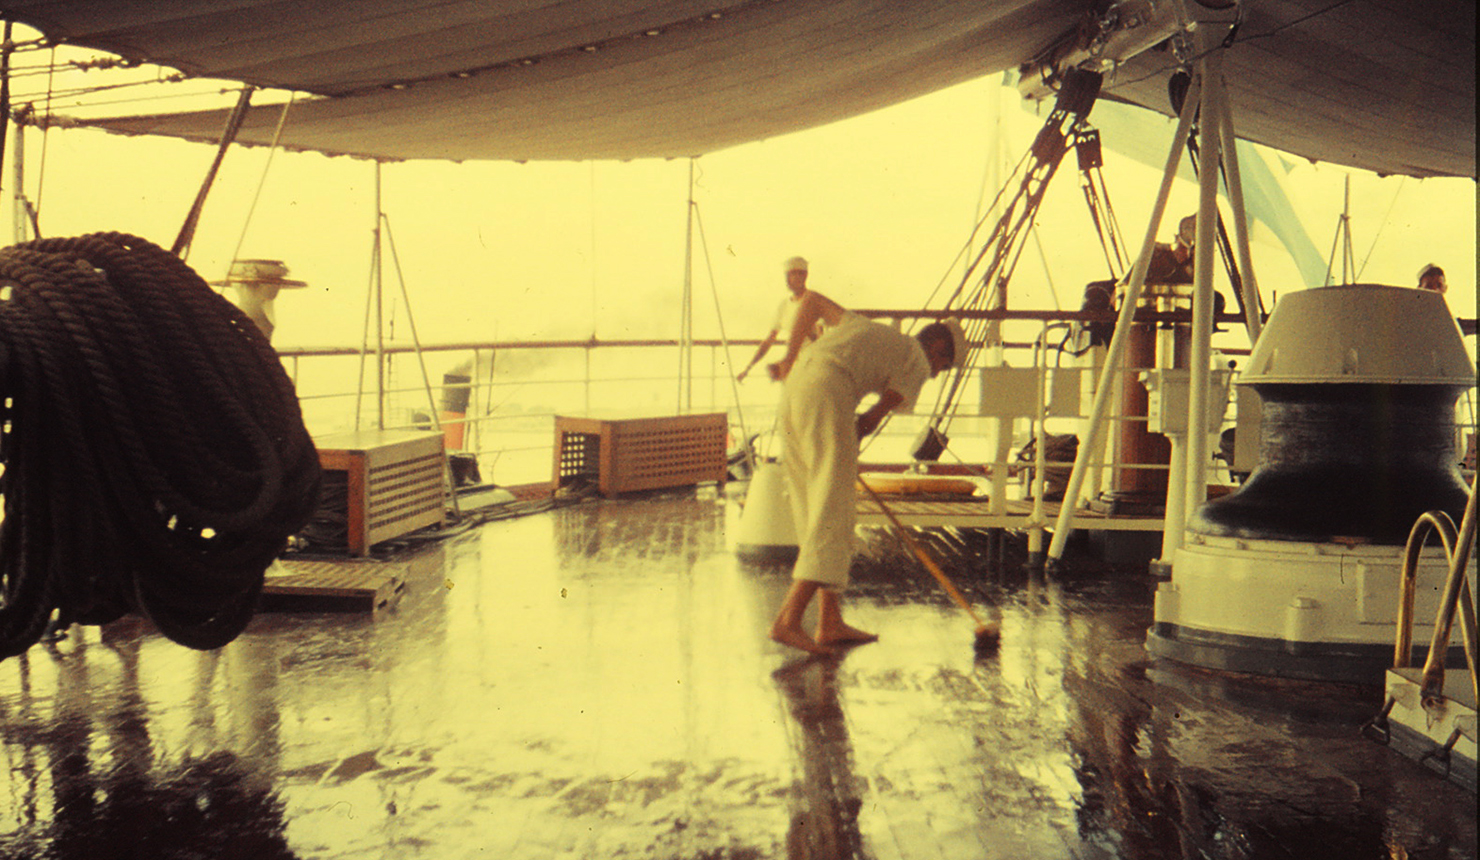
x=154 y=453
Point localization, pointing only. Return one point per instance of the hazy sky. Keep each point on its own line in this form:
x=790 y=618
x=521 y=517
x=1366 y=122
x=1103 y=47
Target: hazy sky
x=880 y=204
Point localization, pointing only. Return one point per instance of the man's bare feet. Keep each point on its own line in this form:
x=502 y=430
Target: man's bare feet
x=842 y=634
x=796 y=638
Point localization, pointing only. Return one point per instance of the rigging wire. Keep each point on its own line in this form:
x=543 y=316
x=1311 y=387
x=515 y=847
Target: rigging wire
x=724 y=338
x=77 y=92
x=81 y=66
x=34 y=207
x=1047 y=274
x=1380 y=225
x=277 y=136
x=1005 y=244
x=971 y=238
x=1220 y=236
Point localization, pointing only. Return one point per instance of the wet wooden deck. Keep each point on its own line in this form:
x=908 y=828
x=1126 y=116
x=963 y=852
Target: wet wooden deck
x=976 y=513
x=595 y=682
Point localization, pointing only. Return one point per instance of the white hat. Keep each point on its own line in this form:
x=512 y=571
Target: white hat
x=795 y=264
x=958 y=342
x=263 y=273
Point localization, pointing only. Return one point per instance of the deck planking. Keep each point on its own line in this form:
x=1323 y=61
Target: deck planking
x=595 y=682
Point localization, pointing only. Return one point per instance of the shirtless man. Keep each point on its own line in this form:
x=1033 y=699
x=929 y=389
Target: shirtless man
x=795 y=270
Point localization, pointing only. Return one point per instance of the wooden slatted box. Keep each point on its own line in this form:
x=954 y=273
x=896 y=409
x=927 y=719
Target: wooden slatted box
x=395 y=482
x=629 y=455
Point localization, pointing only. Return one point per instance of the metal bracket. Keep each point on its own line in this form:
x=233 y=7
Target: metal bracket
x=1437 y=759
x=1378 y=729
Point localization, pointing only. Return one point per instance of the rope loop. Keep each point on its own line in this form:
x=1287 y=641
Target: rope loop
x=154 y=453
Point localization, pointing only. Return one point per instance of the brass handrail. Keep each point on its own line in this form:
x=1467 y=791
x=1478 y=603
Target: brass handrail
x=1458 y=545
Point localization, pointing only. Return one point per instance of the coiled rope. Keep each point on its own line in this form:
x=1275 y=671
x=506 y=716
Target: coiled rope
x=154 y=453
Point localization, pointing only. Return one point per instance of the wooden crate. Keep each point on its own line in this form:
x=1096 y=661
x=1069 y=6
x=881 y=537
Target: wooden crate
x=395 y=482
x=628 y=455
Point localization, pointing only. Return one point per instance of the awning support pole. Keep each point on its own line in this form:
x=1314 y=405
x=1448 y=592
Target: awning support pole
x=1252 y=319
x=1115 y=352
x=181 y=248
x=1200 y=361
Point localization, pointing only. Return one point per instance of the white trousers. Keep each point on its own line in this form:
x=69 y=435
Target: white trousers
x=820 y=455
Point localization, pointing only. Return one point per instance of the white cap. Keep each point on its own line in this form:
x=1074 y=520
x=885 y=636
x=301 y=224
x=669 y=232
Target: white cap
x=795 y=264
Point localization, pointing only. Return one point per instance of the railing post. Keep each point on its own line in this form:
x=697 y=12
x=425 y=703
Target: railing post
x=1115 y=353
x=1439 y=522
x=1040 y=455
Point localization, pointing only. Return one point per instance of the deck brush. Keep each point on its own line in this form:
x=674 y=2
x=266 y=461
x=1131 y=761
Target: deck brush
x=987 y=636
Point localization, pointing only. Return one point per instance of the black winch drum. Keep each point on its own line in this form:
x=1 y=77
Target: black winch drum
x=1297 y=574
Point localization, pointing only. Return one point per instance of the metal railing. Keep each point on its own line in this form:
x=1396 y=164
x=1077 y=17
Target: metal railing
x=516 y=388
x=541 y=379
x=1458 y=546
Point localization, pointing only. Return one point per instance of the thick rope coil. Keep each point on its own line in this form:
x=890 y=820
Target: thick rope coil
x=154 y=453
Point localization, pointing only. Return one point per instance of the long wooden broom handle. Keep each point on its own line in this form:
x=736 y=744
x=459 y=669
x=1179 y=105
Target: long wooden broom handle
x=922 y=555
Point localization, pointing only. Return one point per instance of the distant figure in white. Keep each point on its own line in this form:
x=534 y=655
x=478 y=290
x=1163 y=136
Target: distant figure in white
x=1431 y=277
x=795 y=270
x=256 y=283
x=820 y=431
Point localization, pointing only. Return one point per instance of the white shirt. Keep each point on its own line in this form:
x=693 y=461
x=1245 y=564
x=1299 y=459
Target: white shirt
x=876 y=357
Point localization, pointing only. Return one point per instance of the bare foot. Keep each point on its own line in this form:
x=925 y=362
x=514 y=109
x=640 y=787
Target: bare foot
x=795 y=638
x=842 y=634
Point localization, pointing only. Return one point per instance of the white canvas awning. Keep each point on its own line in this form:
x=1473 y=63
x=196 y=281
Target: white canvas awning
x=1387 y=85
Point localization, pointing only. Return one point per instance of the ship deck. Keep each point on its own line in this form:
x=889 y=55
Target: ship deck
x=594 y=681
x=976 y=513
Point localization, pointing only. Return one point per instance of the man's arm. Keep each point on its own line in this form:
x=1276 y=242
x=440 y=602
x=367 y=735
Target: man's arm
x=870 y=420
x=760 y=353
x=814 y=307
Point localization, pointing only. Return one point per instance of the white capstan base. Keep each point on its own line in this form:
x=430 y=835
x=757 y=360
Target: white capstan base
x=1320 y=611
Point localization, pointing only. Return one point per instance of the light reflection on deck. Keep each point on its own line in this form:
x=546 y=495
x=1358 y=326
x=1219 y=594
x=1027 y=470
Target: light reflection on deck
x=595 y=682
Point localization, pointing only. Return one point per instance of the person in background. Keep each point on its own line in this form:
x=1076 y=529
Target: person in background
x=1172 y=264
x=1431 y=277
x=795 y=270
x=824 y=385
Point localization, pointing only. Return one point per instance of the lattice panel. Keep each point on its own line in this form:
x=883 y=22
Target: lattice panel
x=394 y=483
x=642 y=453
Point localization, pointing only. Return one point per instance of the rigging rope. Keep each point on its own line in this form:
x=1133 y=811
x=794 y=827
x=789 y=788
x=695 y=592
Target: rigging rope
x=1003 y=247
x=1220 y=236
x=154 y=453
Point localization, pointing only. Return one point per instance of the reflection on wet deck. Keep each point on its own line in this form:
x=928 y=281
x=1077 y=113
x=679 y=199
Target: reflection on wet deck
x=594 y=682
